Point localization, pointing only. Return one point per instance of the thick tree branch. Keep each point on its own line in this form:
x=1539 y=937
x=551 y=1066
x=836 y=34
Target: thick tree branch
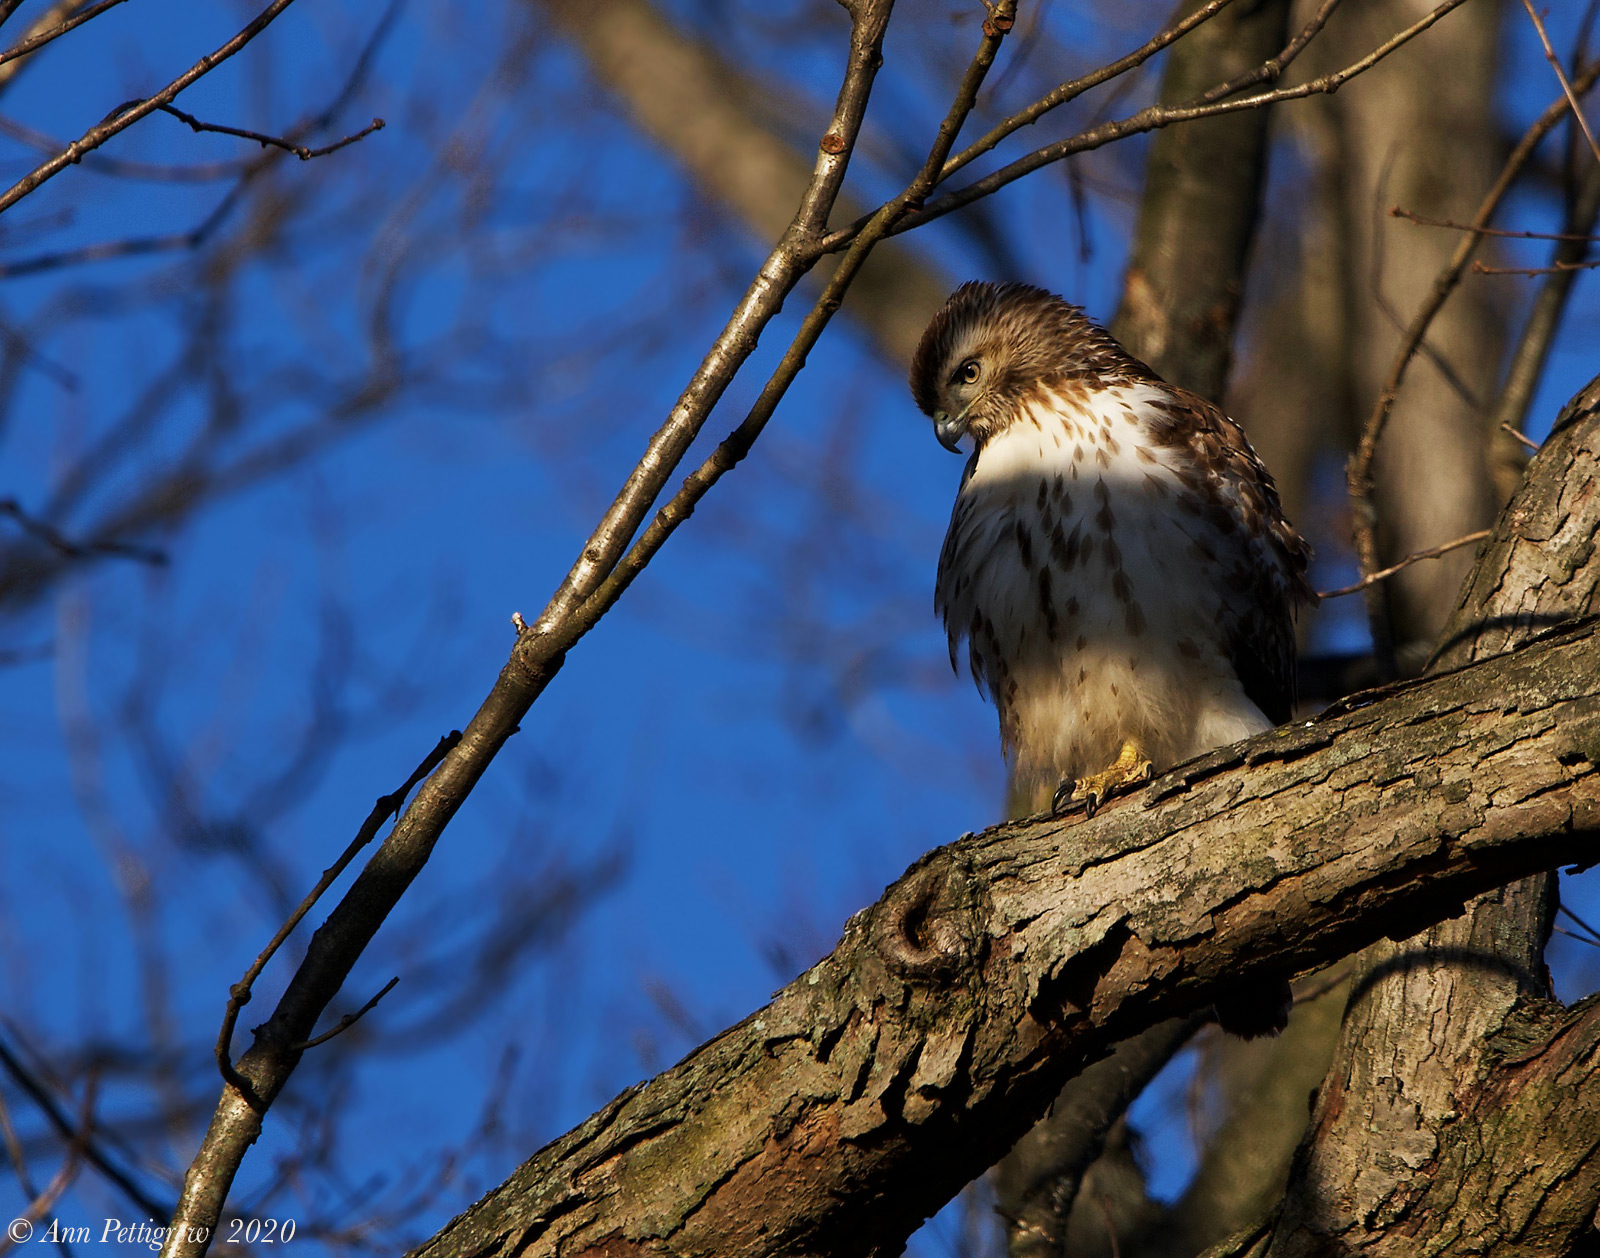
x=875 y=1085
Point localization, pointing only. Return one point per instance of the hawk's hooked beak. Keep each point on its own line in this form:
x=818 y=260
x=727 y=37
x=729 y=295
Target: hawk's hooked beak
x=949 y=429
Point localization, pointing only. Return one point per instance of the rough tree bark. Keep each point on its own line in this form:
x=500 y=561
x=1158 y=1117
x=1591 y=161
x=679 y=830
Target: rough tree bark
x=1445 y=1085
x=888 y=1075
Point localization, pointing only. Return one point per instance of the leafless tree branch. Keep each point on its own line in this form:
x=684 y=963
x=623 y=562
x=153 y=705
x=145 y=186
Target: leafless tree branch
x=1359 y=475
x=36 y=41
x=1149 y=119
x=1561 y=76
x=121 y=121
x=69 y=549
x=302 y=151
x=1433 y=552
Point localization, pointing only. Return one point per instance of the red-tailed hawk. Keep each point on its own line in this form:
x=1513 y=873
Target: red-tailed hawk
x=1117 y=561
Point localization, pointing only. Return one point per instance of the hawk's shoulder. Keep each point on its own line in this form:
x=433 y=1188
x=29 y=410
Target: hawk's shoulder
x=1265 y=572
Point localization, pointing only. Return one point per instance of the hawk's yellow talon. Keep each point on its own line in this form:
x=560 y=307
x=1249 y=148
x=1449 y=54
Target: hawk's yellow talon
x=1131 y=768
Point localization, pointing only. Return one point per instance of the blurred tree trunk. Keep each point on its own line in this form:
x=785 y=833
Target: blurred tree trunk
x=1345 y=278
x=1202 y=199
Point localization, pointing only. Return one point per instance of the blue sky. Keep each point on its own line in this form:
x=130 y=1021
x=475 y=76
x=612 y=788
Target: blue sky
x=715 y=762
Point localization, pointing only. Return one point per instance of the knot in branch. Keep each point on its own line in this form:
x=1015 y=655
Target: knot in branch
x=925 y=929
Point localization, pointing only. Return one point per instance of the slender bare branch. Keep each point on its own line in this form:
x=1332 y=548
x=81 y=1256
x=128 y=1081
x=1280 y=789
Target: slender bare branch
x=1544 y=317
x=349 y=1020
x=1433 y=552
x=1523 y=437
x=1359 y=474
x=66 y=547
x=1561 y=75
x=95 y=136
x=1074 y=88
x=1499 y=232
x=1555 y=268
x=303 y=152
x=1148 y=119
x=239 y=994
x=36 y=41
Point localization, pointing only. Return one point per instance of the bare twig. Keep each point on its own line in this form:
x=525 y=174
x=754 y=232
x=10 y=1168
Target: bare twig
x=1521 y=436
x=54 y=13
x=62 y=1180
x=1433 y=552
x=301 y=151
x=1359 y=474
x=75 y=1133
x=1502 y=232
x=63 y=545
x=1561 y=75
x=239 y=994
x=1528 y=359
x=1555 y=268
x=1572 y=934
x=345 y=1023
x=34 y=42
x=95 y=136
x=1208 y=105
x=1074 y=88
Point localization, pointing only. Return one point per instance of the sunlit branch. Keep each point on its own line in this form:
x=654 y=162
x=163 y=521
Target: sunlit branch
x=1561 y=76
x=1148 y=119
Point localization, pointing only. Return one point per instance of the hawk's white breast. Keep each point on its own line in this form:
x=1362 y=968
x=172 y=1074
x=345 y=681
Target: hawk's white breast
x=1090 y=579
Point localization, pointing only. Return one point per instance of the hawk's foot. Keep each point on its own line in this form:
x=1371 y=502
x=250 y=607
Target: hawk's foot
x=1131 y=768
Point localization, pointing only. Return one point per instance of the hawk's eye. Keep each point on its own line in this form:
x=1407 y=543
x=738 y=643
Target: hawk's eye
x=969 y=371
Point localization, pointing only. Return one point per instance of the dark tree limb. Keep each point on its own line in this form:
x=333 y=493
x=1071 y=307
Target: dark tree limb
x=1038 y=1181
x=896 y=1069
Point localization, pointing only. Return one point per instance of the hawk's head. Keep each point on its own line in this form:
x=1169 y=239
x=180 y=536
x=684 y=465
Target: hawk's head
x=995 y=344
